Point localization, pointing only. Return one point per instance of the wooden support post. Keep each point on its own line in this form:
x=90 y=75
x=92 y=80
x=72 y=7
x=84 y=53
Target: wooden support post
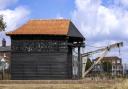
x=93 y=65
x=79 y=64
x=3 y=73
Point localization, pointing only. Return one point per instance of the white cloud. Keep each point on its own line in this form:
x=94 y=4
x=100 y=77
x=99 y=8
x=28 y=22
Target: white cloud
x=15 y=17
x=96 y=21
x=6 y=3
x=123 y=3
x=102 y=24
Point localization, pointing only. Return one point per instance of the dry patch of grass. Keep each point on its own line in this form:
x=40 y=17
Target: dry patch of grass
x=52 y=86
x=121 y=85
x=56 y=84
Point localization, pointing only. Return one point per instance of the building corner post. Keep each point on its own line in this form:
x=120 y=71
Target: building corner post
x=79 y=64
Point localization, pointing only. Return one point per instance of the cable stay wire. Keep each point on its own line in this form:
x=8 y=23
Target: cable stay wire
x=94 y=46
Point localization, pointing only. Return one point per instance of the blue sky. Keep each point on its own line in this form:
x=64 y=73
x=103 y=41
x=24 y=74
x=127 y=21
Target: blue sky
x=47 y=8
x=102 y=22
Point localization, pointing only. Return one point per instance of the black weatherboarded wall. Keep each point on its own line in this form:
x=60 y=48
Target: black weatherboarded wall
x=40 y=66
x=40 y=59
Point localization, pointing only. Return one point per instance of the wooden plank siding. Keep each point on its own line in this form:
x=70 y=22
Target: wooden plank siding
x=40 y=66
x=47 y=59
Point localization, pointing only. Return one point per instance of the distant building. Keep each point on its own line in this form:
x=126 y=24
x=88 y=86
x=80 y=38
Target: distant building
x=116 y=65
x=5 y=51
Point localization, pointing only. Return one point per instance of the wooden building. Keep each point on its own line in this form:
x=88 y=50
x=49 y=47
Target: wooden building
x=42 y=49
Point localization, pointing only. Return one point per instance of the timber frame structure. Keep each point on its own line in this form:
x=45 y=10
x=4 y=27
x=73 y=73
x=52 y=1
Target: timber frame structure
x=42 y=49
x=105 y=49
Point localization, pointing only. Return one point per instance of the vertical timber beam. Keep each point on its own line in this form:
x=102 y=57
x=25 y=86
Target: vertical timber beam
x=79 y=64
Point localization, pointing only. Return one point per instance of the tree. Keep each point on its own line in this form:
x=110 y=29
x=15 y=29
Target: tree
x=88 y=64
x=2 y=24
x=107 y=66
x=2 y=28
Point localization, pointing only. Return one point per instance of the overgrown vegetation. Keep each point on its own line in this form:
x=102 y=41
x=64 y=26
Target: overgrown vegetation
x=107 y=67
x=64 y=84
x=2 y=24
x=88 y=64
x=55 y=84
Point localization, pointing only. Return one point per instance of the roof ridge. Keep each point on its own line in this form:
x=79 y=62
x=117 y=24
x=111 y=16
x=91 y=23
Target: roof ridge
x=49 y=19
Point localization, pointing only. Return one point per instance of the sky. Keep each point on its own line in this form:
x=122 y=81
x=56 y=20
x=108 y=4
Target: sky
x=102 y=22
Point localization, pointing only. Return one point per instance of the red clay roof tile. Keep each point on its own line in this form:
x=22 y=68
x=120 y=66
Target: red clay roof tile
x=43 y=27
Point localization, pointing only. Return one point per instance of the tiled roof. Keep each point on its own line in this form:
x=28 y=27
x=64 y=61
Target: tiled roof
x=50 y=27
x=108 y=58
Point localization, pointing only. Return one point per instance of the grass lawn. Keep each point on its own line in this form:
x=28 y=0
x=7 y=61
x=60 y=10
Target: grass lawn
x=58 y=84
x=53 y=86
